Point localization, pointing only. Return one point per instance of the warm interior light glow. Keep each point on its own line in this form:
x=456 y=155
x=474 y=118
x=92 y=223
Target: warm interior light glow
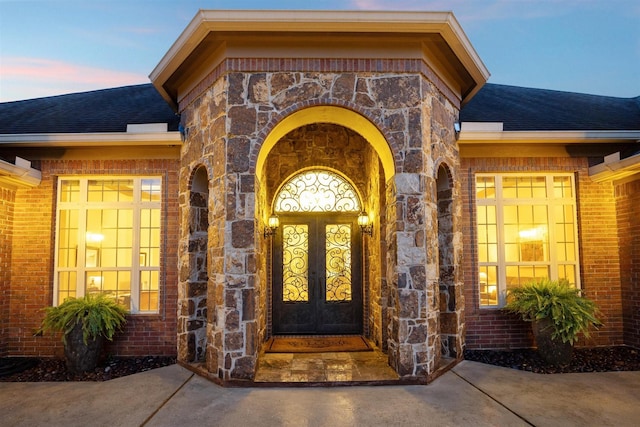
x=94 y=237
x=363 y=219
x=274 y=222
x=532 y=233
x=272 y=225
x=365 y=223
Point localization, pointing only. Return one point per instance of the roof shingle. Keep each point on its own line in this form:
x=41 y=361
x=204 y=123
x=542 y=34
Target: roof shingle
x=107 y=110
x=527 y=109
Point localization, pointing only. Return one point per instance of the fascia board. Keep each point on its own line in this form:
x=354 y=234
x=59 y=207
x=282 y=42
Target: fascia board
x=551 y=137
x=611 y=171
x=19 y=177
x=106 y=139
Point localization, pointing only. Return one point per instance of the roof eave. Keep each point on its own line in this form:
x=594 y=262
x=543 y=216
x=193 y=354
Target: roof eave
x=19 y=175
x=547 y=137
x=615 y=169
x=256 y=21
x=104 y=139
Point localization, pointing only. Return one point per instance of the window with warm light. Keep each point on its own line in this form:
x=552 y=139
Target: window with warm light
x=317 y=190
x=108 y=240
x=526 y=230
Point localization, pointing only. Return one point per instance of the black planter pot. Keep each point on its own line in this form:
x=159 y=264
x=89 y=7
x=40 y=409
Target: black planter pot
x=81 y=357
x=554 y=352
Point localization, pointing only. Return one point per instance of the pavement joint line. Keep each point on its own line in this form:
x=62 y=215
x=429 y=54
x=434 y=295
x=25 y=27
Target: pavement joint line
x=153 y=414
x=492 y=398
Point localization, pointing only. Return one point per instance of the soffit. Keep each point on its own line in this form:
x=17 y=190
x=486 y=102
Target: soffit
x=214 y=35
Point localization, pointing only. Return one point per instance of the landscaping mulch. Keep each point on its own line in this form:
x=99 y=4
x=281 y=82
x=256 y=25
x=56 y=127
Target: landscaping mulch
x=598 y=359
x=16 y=369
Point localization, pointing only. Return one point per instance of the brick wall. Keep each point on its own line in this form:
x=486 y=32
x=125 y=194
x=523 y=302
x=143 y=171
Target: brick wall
x=7 y=199
x=33 y=255
x=598 y=245
x=628 y=204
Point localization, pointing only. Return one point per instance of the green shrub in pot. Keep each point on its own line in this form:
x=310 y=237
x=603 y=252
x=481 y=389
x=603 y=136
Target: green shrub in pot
x=84 y=323
x=559 y=314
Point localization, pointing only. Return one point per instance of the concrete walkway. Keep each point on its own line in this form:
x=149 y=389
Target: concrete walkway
x=472 y=394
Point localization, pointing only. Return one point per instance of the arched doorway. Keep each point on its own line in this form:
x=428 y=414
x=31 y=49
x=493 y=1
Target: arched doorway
x=317 y=268
x=197 y=282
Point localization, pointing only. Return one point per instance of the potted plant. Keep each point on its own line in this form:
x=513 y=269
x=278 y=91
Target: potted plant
x=84 y=323
x=559 y=313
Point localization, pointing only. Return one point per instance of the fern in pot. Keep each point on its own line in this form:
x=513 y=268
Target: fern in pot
x=84 y=323
x=558 y=312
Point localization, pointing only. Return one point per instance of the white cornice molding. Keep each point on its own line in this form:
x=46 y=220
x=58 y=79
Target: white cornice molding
x=614 y=169
x=546 y=137
x=106 y=139
x=19 y=175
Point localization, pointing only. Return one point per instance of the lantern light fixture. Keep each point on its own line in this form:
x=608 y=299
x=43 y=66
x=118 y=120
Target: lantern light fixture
x=365 y=223
x=272 y=225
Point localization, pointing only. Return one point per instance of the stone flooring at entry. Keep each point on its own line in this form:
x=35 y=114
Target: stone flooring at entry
x=354 y=366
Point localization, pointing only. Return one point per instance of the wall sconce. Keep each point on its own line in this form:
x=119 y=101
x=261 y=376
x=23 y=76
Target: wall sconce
x=272 y=226
x=365 y=223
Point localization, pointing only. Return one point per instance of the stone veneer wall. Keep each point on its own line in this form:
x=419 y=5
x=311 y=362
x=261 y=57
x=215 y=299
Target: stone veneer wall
x=414 y=111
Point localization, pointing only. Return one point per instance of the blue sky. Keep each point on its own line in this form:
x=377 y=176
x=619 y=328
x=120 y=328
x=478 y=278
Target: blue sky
x=51 y=47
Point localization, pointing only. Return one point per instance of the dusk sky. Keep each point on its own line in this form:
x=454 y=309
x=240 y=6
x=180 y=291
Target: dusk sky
x=52 y=47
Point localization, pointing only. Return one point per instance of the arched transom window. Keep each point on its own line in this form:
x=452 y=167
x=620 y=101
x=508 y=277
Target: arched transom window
x=317 y=190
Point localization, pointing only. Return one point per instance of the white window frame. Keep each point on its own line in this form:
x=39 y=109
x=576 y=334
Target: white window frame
x=499 y=202
x=83 y=206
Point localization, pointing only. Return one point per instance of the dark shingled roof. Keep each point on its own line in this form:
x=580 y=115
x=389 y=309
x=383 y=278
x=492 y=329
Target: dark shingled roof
x=519 y=108
x=526 y=109
x=107 y=110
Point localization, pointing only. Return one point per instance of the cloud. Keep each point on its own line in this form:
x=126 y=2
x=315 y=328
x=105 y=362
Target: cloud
x=23 y=78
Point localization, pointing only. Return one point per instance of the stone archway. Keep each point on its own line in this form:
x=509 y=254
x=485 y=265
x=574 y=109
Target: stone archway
x=402 y=124
x=346 y=151
x=450 y=304
x=192 y=319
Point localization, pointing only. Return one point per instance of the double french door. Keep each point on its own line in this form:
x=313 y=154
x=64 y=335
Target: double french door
x=317 y=271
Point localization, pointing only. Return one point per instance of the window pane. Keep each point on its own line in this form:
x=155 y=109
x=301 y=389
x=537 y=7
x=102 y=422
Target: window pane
x=521 y=274
x=116 y=284
x=317 y=191
x=110 y=190
x=149 y=285
x=536 y=242
x=66 y=285
x=295 y=260
x=338 y=262
x=568 y=272
x=562 y=186
x=488 y=285
x=67 y=238
x=69 y=190
x=150 y=190
x=485 y=187
x=108 y=239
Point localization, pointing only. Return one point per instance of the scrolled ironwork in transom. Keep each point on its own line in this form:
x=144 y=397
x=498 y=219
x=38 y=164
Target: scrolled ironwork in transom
x=317 y=191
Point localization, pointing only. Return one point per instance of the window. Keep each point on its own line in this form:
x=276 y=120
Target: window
x=108 y=240
x=526 y=230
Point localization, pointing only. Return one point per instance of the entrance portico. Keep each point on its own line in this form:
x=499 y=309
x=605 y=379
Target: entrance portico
x=371 y=97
